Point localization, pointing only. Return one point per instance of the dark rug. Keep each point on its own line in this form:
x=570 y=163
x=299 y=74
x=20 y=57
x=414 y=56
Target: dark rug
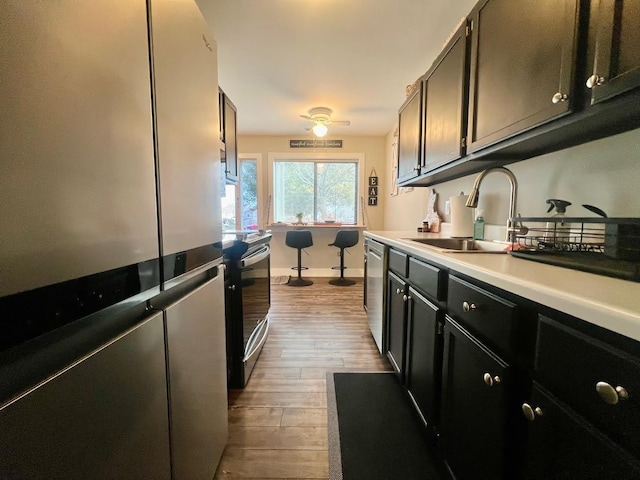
x=374 y=432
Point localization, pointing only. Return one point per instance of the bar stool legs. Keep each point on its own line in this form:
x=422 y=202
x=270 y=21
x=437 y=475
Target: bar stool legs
x=344 y=239
x=299 y=239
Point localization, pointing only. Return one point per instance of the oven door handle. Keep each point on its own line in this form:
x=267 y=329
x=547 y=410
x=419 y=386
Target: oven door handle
x=256 y=257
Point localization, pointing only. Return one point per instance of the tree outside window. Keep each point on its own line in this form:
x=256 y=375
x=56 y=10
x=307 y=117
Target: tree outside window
x=321 y=190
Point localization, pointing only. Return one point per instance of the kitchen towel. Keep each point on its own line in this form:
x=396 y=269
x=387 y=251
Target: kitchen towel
x=461 y=216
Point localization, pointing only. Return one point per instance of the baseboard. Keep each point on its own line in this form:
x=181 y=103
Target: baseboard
x=319 y=272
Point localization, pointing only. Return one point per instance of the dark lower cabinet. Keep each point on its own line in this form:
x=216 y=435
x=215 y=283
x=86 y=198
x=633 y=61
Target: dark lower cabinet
x=562 y=446
x=424 y=356
x=396 y=322
x=475 y=408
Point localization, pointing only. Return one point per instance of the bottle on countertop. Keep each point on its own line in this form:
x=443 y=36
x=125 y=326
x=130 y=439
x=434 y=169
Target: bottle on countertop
x=478 y=225
x=558 y=231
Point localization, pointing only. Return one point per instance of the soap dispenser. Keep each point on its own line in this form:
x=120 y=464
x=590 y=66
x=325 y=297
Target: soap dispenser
x=558 y=231
x=478 y=225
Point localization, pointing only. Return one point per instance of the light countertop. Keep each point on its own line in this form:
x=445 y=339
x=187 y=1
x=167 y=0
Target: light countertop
x=608 y=302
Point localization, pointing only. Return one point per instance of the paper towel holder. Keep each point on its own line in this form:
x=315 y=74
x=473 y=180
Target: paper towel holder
x=461 y=217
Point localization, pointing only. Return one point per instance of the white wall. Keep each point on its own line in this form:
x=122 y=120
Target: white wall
x=604 y=173
x=321 y=257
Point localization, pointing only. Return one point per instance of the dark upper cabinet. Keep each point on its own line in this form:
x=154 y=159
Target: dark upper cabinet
x=445 y=92
x=228 y=137
x=615 y=38
x=410 y=132
x=522 y=67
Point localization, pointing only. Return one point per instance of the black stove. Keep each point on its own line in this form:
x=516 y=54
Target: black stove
x=248 y=299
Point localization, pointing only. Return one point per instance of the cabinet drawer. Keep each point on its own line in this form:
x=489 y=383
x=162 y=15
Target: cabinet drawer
x=572 y=364
x=493 y=319
x=399 y=263
x=427 y=278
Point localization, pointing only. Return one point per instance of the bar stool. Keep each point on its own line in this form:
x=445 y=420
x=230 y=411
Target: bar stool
x=299 y=239
x=344 y=239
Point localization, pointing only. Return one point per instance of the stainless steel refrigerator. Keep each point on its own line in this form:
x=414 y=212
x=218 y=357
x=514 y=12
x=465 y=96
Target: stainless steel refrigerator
x=111 y=239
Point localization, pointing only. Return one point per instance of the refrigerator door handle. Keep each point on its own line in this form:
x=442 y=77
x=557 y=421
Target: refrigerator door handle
x=195 y=272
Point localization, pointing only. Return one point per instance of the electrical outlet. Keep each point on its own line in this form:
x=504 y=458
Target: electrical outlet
x=447 y=207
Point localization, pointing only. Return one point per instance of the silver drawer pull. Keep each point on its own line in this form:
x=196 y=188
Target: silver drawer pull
x=398 y=291
x=611 y=395
x=406 y=298
x=489 y=380
x=467 y=307
x=530 y=413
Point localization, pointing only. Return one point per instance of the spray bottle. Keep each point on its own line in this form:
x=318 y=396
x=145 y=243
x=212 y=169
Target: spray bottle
x=558 y=231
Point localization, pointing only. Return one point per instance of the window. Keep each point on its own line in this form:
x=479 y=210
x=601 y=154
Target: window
x=321 y=188
x=240 y=202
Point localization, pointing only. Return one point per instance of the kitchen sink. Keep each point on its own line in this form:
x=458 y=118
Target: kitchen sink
x=461 y=245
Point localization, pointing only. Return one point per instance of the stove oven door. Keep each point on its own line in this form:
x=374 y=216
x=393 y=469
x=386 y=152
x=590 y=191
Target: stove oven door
x=256 y=299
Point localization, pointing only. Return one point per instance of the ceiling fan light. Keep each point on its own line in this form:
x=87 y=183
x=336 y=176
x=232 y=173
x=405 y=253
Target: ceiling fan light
x=320 y=130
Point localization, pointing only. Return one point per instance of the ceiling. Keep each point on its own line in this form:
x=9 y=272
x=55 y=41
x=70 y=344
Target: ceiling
x=279 y=58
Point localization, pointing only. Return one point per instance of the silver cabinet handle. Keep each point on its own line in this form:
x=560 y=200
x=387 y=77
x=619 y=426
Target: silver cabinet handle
x=467 y=307
x=232 y=288
x=595 y=81
x=398 y=291
x=559 y=97
x=611 y=395
x=489 y=380
x=530 y=413
x=406 y=298
x=416 y=169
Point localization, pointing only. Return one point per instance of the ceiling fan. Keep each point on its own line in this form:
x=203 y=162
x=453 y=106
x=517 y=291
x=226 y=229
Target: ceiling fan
x=321 y=117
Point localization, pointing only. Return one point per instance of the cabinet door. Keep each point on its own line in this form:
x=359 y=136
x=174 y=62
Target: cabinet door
x=561 y=445
x=230 y=141
x=396 y=321
x=475 y=392
x=446 y=102
x=617 y=55
x=410 y=136
x=424 y=356
x=519 y=78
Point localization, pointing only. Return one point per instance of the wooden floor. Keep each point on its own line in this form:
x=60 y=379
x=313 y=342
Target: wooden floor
x=278 y=423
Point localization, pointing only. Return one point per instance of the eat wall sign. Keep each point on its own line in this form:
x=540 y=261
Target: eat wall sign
x=373 y=188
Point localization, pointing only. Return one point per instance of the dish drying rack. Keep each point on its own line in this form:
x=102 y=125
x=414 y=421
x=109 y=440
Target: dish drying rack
x=605 y=246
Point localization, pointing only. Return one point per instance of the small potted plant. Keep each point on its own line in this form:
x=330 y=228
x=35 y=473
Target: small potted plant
x=299 y=216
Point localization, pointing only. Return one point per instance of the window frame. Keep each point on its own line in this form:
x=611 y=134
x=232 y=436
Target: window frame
x=328 y=157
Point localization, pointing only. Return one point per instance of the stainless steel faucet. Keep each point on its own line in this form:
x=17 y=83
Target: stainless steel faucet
x=472 y=202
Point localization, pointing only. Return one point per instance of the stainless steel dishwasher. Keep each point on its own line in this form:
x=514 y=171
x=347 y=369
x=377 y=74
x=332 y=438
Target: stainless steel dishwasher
x=374 y=289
